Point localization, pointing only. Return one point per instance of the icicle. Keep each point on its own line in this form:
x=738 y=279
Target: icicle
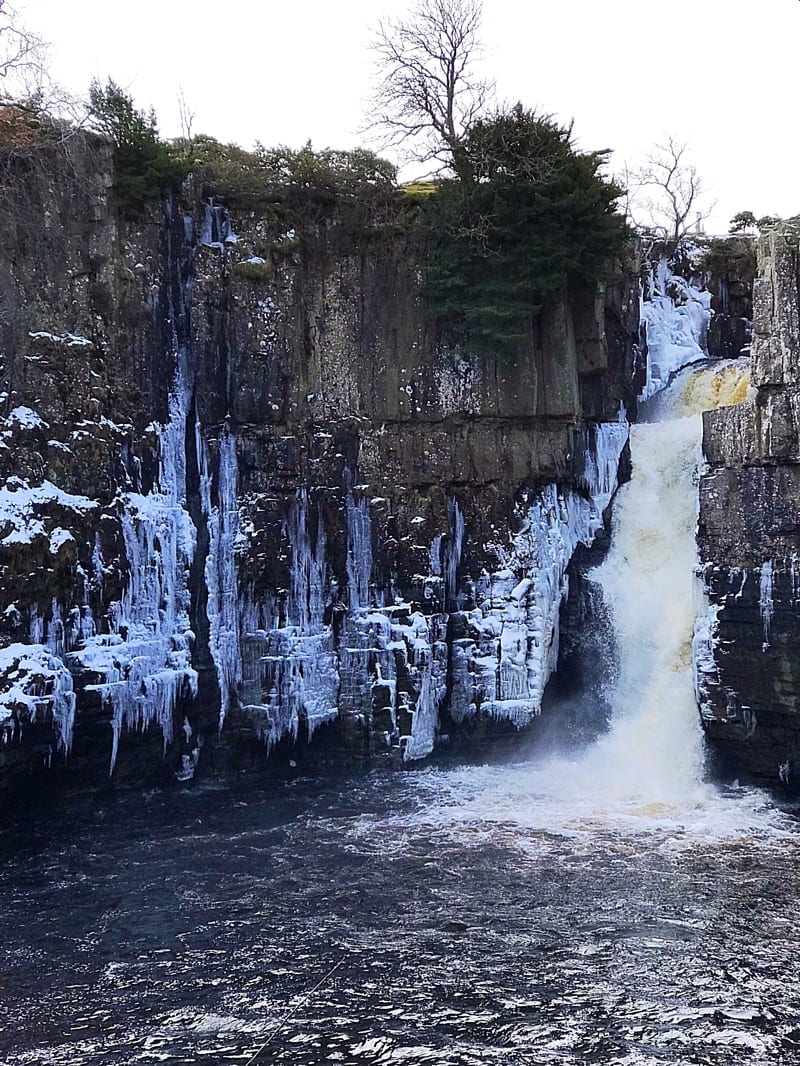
x=704 y=643
x=145 y=662
x=601 y=461
x=453 y=549
x=516 y=622
x=40 y=682
x=216 y=227
x=308 y=566
x=425 y=721
x=436 y=555
x=359 y=552
x=765 y=600
x=675 y=317
x=220 y=572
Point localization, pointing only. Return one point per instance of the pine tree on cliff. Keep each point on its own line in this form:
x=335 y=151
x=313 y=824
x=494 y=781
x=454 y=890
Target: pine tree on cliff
x=535 y=219
x=143 y=166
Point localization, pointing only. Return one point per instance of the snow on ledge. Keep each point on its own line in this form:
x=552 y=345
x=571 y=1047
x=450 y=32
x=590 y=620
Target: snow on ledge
x=68 y=340
x=33 y=683
x=19 y=504
x=26 y=418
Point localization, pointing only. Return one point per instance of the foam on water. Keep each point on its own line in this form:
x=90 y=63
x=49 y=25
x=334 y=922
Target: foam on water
x=534 y=808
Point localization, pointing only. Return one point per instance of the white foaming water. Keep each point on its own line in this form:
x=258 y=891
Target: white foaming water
x=654 y=748
x=646 y=773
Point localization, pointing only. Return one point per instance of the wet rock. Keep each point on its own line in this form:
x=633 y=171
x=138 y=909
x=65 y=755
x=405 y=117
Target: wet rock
x=749 y=536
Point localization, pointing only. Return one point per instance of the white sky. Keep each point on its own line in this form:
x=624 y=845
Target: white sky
x=719 y=74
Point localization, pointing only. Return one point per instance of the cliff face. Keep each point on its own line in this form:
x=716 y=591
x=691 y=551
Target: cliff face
x=748 y=668
x=725 y=268
x=249 y=495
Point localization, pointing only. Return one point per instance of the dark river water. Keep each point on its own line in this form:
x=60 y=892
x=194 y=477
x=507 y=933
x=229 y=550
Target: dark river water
x=477 y=915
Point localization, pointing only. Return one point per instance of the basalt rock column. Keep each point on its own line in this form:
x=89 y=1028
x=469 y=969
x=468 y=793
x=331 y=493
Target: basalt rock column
x=747 y=646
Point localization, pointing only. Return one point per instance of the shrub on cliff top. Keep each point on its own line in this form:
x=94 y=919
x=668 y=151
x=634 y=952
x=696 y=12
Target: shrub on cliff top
x=305 y=180
x=354 y=172
x=226 y=170
x=533 y=218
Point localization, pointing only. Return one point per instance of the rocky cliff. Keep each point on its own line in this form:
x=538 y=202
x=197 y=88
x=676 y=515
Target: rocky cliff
x=746 y=646
x=250 y=498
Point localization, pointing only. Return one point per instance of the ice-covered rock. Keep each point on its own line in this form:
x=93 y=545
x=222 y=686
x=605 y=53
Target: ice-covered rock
x=675 y=317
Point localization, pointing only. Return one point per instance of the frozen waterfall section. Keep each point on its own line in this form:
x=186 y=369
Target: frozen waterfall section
x=134 y=659
x=141 y=659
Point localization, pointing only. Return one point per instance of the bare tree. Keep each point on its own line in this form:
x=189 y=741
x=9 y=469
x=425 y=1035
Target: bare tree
x=429 y=92
x=28 y=94
x=665 y=193
x=186 y=116
x=23 y=57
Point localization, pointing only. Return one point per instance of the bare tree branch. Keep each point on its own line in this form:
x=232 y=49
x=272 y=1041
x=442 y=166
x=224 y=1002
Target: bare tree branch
x=22 y=53
x=25 y=81
x=187 y=116
x=428 y=92
x=665 y=193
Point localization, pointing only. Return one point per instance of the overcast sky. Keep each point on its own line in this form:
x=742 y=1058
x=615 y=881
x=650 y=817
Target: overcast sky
x=718 y=74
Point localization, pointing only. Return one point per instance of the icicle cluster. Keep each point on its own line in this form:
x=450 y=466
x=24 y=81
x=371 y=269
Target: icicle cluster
x=145 y=659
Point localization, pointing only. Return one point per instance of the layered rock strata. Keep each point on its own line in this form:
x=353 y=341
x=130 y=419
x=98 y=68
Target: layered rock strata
x=747 y=642
x=250 y=497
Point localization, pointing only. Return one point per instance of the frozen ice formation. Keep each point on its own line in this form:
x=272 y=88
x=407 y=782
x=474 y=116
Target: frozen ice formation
x=329 y=651
x=675 y=317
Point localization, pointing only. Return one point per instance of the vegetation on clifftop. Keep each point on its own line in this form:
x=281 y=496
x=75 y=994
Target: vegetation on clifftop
x=144 y=167
x=518 y=215
x=532 y=218
x=305 y=178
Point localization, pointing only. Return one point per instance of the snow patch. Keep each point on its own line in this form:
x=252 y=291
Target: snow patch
x=26 y=418
x=35 y=684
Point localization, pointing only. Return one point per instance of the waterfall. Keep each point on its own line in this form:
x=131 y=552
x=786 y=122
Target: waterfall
x=648 y=581
x=647 y=769
x=654 y=747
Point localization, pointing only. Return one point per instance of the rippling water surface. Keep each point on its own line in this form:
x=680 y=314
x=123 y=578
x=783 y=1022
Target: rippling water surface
x=459 y=916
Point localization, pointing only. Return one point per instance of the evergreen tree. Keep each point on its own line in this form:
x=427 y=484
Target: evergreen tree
x=534 y=217
x=144 y=167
